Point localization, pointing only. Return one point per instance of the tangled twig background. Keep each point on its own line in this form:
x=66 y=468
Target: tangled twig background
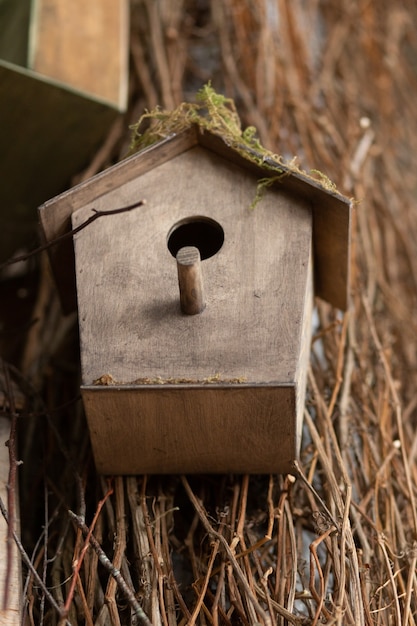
x=333 y=84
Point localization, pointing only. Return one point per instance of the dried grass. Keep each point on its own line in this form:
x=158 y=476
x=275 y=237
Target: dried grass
x=333 y=83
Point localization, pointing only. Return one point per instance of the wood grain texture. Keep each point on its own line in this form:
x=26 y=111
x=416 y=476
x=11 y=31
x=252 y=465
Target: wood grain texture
x=10 y=615
x=83 y=44
x=131 y=324
x=247 y=342
x=189 y=429
x=332 y=223
x=190 y=280
x=331 y=211
x=55 y=214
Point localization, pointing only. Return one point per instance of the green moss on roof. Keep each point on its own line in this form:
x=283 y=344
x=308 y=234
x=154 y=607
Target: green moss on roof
x=211 y=111
x=217 y=114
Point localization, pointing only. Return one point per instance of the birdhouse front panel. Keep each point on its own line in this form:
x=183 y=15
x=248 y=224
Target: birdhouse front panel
x=212 y=392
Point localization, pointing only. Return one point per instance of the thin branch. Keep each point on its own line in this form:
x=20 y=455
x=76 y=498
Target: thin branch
x=77 y=564
x=11 y=485
x=300 y=474
x=113 y=571
x=30 y=566
x=70 y=233
x=232 y=559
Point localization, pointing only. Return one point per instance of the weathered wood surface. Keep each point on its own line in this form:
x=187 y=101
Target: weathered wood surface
x=331 y=229
x=55 y=214
x=249 y=335
x=130 y=320
x=332 y=213
x=83 y=44
x=188 y=429
x=10 y=615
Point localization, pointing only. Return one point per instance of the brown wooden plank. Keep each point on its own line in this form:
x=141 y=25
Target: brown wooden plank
x=177 y=429
x=84 y=45
x=131 y=325
x=331 y=236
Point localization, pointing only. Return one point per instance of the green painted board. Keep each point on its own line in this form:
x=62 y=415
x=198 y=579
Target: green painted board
x=48 y=133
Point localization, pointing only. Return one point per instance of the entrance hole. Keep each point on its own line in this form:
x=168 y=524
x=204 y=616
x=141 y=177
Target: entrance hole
x=203 y=233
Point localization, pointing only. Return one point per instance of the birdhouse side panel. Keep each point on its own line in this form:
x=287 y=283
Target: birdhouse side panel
x=332 y=226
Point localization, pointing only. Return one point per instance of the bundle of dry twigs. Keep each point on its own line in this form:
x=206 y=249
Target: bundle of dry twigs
x=334 y=84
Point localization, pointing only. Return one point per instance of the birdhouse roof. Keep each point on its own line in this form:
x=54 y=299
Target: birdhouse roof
x=331 y=210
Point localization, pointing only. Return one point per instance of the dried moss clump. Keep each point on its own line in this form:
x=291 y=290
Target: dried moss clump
x=211 y=111
x=107 y=380
x=217 y=113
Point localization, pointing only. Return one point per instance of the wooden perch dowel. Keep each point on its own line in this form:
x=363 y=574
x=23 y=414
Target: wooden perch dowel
x=190 y=280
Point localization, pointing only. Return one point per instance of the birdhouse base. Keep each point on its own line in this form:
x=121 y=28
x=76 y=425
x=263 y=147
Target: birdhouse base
x=210 y=428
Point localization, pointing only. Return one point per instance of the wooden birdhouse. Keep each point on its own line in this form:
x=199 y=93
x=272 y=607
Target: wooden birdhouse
x=194 y=308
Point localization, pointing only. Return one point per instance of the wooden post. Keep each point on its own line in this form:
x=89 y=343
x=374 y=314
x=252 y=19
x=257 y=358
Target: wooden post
x=190 y=280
